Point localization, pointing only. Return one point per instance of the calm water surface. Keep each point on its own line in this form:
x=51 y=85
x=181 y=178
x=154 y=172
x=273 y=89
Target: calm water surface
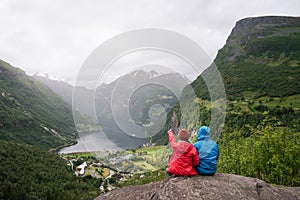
x=95 y=141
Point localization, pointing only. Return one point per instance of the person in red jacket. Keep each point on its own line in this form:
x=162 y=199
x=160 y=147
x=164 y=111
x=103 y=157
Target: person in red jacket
x=185 y=157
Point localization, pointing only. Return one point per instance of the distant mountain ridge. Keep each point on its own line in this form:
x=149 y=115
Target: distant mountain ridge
x=65 y=91
x=149 y=88
x=31 y=113
x=136 y=93
x=61 y=88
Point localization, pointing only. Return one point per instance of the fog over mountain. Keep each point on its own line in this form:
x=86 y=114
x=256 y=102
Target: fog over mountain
x=56 y=38
x=146 y=96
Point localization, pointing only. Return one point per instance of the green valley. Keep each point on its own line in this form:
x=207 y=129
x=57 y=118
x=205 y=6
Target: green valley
x=260 y=67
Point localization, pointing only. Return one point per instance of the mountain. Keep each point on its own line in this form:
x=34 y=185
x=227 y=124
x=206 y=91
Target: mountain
x=259 y=64
x=31 y=113
x=146 y=96
x=260 y=67
x=220 y=186
x=61 y=88
x=260 y=58
x=65 y=91
x=134 y=106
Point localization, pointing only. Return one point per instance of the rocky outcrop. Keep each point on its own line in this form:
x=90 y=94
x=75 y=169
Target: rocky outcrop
x=220 y=186
x=252 y=28
x=256 y=26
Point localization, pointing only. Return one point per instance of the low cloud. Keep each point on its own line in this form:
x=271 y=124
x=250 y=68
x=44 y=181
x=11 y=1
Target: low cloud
x=56 y=38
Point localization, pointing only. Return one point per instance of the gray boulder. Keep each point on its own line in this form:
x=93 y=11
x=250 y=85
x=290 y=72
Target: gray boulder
x=220 y=186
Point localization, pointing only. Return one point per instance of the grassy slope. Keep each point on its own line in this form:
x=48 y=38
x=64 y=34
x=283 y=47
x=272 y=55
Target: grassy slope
x=27 y=107
x=267 y=62
x=140 y=160
x=260 y=60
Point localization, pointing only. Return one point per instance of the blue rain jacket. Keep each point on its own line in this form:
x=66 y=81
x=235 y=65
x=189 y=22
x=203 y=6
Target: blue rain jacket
x=208 y=151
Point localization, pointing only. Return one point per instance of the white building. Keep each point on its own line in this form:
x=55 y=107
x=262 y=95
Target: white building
x=82 y=168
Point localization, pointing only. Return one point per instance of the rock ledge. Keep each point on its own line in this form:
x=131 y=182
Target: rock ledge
x=220 y=186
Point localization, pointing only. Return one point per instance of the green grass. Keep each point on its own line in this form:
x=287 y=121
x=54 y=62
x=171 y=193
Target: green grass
x=293 y=101
x=249 y=94
x=106 y=172
x=142 y=160
x=97 y=170
x=77 y=155
x=144 y=166
x=147 y=158
x=272 y=102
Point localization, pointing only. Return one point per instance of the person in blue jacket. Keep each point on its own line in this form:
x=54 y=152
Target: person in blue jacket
x=208 y=151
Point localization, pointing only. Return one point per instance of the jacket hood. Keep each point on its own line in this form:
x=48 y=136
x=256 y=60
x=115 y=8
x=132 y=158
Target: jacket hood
x=184 y=147
x=204 y=132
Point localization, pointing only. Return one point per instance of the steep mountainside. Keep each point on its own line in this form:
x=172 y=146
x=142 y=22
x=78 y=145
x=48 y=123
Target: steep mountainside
x=30 y=173
x=260 y=67
x=261 y=57
x=136 y=94
x=259 y=63
x=65 y=91
x=61 y=88
x=31 y=113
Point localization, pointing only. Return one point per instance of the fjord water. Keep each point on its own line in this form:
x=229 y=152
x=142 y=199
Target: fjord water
x=88 y=142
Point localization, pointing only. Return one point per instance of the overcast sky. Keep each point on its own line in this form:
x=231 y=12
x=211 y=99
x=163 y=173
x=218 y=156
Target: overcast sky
x=56 y=37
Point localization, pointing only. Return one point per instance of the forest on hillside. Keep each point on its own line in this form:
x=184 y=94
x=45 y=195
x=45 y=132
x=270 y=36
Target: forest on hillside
x=30 y=173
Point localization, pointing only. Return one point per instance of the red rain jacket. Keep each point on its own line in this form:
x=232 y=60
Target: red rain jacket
x=184 y=159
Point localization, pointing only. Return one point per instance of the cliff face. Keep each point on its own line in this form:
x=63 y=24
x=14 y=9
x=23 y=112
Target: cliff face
x=261 y=57
x=258 y=24
x=253 y=28
x=220 y=186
